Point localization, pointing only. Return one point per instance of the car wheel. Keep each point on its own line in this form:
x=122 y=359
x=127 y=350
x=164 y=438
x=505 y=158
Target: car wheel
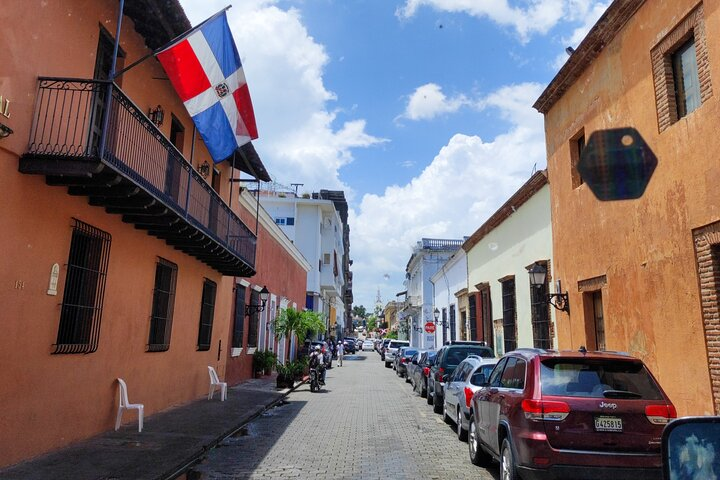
x=507 y=462
x=461 y=432
x=446 y=417
x=428 y=395
x=438 y=403
x=407 y=380
x=478 y=456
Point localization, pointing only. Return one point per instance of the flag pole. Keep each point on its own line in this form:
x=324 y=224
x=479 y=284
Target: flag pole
x=168 y=44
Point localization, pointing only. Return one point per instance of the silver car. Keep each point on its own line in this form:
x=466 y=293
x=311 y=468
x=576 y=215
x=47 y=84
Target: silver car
x=460 y=387
x=392 y=349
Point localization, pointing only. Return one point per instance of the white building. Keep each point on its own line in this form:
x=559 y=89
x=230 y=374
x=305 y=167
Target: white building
x=417 y=312
x=504 y=310
x=450 y=283
x=315 y=227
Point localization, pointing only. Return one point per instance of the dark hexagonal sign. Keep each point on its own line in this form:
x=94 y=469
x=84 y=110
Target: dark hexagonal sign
x=617 y=164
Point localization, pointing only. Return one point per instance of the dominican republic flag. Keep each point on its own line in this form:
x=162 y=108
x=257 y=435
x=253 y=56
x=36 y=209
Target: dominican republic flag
x=204 y=67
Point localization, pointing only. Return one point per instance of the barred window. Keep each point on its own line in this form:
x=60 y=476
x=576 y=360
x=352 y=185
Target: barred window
x=540 y=314
x=163 y=306
x=509 y=314
x=207 y=312
x=253 y=328
x=239 y=321
x=81 y=310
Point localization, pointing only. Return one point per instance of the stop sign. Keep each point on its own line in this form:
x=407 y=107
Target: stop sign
x=617 y=164
x=430 y=327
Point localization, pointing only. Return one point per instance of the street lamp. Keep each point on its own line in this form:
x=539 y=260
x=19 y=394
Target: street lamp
x=264 y=295
x=559 y=300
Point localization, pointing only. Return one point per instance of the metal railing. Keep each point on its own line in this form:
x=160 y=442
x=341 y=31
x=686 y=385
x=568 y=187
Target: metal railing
x=67 y=124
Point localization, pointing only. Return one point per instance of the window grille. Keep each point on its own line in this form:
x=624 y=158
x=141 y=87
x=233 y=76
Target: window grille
x=239 y=320
x=540 y=315
x=81 y=310
x=163 y=306
x=509 y=315
x=254 y=320
x=207 y=312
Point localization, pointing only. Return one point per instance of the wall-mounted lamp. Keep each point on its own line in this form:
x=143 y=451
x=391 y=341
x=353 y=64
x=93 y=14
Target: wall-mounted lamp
x=204 y=169
x=559 y=300
x=436 y=316
x=250 y=309
x=157 y=115
x=5 y=131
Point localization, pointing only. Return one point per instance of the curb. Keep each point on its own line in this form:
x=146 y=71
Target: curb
x=196 y=457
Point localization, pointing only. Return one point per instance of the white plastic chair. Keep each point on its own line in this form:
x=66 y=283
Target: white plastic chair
x=215 y=381
x=126 y=405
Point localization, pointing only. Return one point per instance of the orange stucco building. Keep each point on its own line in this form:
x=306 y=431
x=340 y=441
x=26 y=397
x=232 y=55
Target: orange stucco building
x=122 y=253
x=643 y=275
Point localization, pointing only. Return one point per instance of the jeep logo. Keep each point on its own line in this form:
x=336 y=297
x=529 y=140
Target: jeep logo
x=608 y=405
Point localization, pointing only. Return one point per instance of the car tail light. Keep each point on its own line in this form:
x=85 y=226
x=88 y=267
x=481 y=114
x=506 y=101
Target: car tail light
x=660 y=414
x=439 y=374
x=468 y=396
x=545 y=410
x=426 y=371
x=403 y=360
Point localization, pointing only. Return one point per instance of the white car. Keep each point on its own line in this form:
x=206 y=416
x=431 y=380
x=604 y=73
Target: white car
x=368 y=345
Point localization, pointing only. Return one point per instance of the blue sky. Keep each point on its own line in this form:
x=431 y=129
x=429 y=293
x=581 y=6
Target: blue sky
x=421 y=110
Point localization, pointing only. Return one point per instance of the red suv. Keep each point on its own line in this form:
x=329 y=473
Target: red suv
x=570 y=415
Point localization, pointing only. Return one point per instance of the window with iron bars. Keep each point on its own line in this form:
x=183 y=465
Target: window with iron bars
x=163 y=306
x=207 y=312
x=540 y=316
x=509 y=314
x=81 y=310
x=253 y=326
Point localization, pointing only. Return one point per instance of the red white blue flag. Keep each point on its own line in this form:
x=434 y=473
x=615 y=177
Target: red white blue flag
x=205 y=69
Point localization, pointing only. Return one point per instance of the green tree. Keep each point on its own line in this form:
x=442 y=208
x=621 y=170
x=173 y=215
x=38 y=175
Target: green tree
x=359 y=311
x=300 y=323
x=371 y=323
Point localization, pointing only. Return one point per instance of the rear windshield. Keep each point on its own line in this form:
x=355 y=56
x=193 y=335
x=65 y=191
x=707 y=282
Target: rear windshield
x=598 y=379
x=398 y=344
x=410 y=352
x=457 y=354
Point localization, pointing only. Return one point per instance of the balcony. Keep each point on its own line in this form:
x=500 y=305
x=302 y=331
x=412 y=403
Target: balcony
x=133 y=171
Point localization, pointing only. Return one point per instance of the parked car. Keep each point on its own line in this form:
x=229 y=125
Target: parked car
x=368 y=345
x=382 y=346
x=469 y=375
x=449 y=356
x=391 y=349
x=419 y=369
x=402 y=358
x=549 y=414
x=359 y=344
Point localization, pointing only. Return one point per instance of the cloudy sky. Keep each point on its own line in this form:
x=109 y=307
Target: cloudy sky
x=420 y=110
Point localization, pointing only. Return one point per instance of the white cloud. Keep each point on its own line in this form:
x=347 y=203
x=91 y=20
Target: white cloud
x=587 y=14
x=537 y=17
x=284 y=65
x=428 y=101
x=463 y=185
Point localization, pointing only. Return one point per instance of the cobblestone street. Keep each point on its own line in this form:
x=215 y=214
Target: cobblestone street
x=365 y=423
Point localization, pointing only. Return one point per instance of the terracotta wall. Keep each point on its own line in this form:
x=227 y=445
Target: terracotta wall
x=51 y=400
x=644 y=247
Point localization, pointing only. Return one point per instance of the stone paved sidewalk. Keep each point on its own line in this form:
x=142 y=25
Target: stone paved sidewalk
x=168 y=442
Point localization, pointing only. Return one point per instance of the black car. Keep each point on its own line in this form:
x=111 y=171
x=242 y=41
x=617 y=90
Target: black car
x=418 y=370
x=349 y=344
x=448 y=357
x=402 y=359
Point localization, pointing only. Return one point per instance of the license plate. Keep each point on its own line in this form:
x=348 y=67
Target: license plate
x=608 y=424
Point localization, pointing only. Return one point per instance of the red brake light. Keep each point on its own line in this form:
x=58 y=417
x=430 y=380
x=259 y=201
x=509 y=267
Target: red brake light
x=545 y=410
x=468 y=396
x=403 y=360
x=439 y=374
x=660 y=414
x=426 y=371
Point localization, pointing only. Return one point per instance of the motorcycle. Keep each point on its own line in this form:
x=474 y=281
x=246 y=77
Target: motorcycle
x=314 y=380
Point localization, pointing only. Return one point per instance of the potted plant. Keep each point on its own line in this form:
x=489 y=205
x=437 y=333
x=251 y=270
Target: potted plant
x=258 y=363
x=301 y=368
x=270 y=361
x=285 y=378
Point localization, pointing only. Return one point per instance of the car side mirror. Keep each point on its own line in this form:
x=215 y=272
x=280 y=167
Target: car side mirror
x=687 y=444
x=445 y=377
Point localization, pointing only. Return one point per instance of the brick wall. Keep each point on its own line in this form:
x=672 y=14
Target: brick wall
x=707 y=250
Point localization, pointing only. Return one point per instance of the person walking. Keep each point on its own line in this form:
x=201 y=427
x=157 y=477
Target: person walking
x=340 y=352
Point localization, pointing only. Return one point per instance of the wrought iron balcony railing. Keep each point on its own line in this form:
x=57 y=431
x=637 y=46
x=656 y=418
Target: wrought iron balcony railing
x=157 y=190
